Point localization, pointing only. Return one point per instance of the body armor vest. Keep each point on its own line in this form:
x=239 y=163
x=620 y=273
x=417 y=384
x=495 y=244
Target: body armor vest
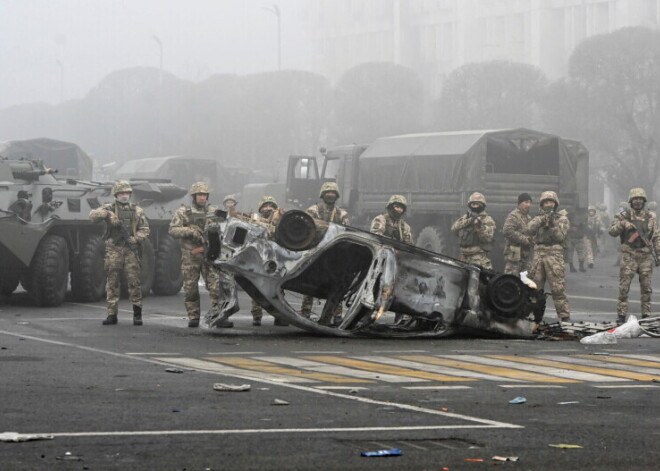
x=196 y=218
x=328 y=214
x=393 y=229
x=127 y=214
x=468 y=238
x=642 y=226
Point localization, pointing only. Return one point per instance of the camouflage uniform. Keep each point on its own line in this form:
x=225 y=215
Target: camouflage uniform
x=330 y=213
x=594 y=230
x=475 y=232
x=575 y=242
x=121 y=254
x=518 y=246
x=188 y=225
x=549 y=233
x=636 y=256
x=270 y=223
x=389 y=224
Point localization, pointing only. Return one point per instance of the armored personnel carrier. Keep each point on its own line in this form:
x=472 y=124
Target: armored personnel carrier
x=46 y=234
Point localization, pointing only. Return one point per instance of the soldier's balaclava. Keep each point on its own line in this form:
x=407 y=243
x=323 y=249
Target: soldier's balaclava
x=393 y=213
x=266 y=210
x=330 y=198
x=123 y=198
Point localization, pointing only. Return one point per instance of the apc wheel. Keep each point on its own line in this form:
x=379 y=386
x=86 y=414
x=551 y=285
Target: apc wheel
x=432 y=239
x=146 y=272
x=49 y=271
x=88 y=275
x=168 y=278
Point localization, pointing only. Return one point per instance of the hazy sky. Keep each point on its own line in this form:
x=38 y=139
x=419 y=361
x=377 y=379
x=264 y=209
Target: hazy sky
x=87 y=39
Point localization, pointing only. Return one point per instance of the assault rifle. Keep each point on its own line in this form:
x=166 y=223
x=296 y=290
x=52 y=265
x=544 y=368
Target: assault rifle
x=638 y=235
x=211 y=236
x=474 y=216
x=125 y=236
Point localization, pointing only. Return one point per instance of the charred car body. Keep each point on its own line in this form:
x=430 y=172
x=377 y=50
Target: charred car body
x=372 y=277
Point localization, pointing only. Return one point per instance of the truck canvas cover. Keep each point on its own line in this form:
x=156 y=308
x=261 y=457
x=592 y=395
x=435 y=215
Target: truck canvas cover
x=452 y=162
x=178 y=169
x=66 y=157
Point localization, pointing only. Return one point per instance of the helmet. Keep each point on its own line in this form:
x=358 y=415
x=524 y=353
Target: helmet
x=591 y=208
x=624 y=205
x=398 y=199
x=199 y=187
x=602 y=207
x=230 y=198
x=549 y=195
x=652 y=205
x=329 y=186
x=636 y=193
x=477 y=197
x=265 y=200
x=121 y=186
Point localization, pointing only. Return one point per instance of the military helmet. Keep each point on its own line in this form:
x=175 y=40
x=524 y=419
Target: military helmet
x=602 y=207
x=549 y=195
x=652 y=205
x=230 y=198
x=591 y=207
x=121 y=186
x=636 y=193
x=199 y=187
x=477 y=197
x=265 y=200
x=398 y=199
x=623 y=205
x=329 y=186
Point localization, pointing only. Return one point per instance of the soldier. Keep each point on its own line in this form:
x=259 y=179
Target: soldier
x=637 y=230
x=593 y=232
x=391 y=224
x=548 y=231
x=518 y=247
x=575 y=243
x=268 y=217
x=188 y=225
x=126 y=228
x=475 y=231
x=652 y=206
x=604 y=240
x=230 y=202
x=326 y=210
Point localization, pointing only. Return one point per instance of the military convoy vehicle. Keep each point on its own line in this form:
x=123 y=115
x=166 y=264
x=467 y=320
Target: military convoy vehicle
x=46 y=234
x=437 y=172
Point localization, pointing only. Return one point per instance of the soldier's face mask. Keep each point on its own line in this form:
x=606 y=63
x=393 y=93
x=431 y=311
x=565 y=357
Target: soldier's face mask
x=123 y=197
x=548 y=205
x=267 y=211
x=330 y=197
x=637 y=203
x=477 y=207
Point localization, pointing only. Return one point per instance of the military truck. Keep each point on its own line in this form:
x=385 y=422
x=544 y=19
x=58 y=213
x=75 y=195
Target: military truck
x=437 y=172
x=68 y=158
x=46 y=234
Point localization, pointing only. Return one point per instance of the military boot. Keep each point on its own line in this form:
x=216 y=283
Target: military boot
x=224 y=322
x=110 y=320
x=591 y=265
x=582 y=269
x=620 y=319
x=193 y=322
x=137 y=315
x=572 y=267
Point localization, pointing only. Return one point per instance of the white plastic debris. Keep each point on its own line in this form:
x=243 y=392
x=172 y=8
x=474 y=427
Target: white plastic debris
x=231 y=387
x=23 y=437
x=279 y=402
x=601 y=338
x=628 y=330
x=527 y=281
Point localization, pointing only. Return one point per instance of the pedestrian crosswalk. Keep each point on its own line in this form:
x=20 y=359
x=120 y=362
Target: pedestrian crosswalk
x=425 y=371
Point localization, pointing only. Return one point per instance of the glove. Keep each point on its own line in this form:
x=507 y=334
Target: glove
x=112 y=218
x=133 y=241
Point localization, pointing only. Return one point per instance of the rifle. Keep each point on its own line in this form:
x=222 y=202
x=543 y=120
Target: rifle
x=476 y=220
x=125 y=236
x=637 y=234
x=211 y=236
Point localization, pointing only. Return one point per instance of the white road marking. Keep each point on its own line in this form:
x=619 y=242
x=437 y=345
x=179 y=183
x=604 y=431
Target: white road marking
x=547 y=370
x=605 y=364
x=435 y=388
x=532 y=386
x=339 y=388
x=641 y=357
x=153 y=353
x=400 y=351
x=446 y=370
x=341 y=370
x=317 y=352
x=479 y=422
x=234 y=353
x=619 y=386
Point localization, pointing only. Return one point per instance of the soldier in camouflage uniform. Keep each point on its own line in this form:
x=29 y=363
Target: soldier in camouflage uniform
x=326 y=210
x=652 y=206
x=391 y=224
x=475 y=231
x=593 y=232
x=188 y=225
x=126 y=228
x=518 y=246
x=549 y=231
x=230 y=202
x=269 y=214
x=632 y=226
x=575 y=243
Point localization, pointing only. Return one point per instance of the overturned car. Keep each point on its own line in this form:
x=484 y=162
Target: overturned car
x=371 y=277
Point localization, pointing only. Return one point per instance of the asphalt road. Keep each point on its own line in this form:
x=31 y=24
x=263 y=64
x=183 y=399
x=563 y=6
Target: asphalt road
x=104 y=394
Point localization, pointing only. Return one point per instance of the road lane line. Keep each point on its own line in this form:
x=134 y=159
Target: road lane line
x=531 y=386
x=502 y=373
x=599 y=361
x=652 y=358
x=575 y=367
x=416 y=362
x=269 y=367
x=618 y=386
x=436 y=388
x=478 y=421
x=560 y=373
x=339 y=370
x=384 y=368
x=153 y=353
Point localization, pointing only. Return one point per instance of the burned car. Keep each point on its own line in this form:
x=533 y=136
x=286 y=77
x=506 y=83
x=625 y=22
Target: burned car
x=372 y=277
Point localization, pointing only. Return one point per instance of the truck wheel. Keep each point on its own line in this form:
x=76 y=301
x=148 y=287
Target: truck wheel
x=168 y=277
x=431 y=239
x=88 y=275
x=48 y=274
x=146 y=272
x=8 y=284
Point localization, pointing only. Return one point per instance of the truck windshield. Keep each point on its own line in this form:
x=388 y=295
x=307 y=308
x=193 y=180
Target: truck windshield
x=331 y=168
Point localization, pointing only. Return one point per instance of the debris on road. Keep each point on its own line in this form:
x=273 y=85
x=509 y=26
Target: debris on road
x=568 y=402
x=601 y=338
x=22 y=437
x=279 y=402
x=174 y=370
x=68 y=456
x=564 y=446
x=518 y=400
x=474 y=460
x=505 y=458
x=390 y=452
x=231 y=387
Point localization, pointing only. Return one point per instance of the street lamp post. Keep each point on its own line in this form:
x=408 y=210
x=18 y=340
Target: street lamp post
x=275 y=10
